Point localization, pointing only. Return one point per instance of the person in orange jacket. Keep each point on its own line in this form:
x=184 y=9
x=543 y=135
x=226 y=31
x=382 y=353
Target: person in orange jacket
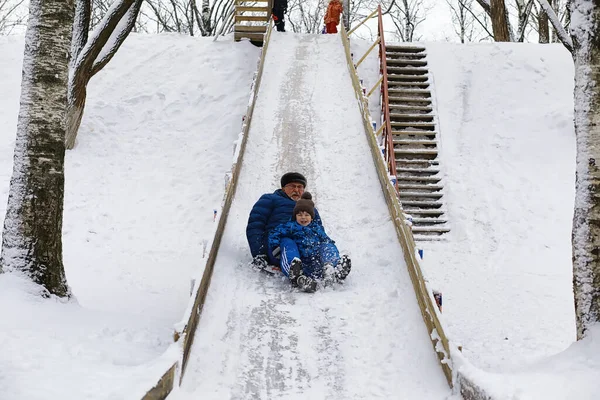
x=332 y=16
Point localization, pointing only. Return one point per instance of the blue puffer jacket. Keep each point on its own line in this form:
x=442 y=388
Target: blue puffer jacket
x=308 y=238
x=271 y=210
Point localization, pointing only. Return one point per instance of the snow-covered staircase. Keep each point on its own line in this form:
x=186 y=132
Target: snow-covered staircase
x=251 y=20
x=415 y=141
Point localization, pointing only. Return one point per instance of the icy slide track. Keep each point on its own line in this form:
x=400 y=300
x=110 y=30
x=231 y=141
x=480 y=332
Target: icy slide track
x=259 y=339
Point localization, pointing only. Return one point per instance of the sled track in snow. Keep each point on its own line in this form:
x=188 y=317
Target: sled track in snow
x=257 y=338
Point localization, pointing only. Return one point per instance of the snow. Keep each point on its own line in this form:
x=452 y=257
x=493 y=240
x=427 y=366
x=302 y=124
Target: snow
x=149 y=168
x=141 y=186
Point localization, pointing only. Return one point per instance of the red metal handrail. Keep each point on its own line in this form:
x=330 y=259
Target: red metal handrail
x=389 y=155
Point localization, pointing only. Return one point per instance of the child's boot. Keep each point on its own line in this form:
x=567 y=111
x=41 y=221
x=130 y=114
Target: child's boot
x=306 y=284
x=343 y=268
x=295 y=270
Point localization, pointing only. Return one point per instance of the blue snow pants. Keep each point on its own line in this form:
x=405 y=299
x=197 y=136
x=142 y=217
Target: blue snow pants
x=326 y=253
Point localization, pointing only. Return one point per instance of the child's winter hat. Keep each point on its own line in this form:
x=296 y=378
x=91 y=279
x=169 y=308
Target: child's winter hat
x=305 y=204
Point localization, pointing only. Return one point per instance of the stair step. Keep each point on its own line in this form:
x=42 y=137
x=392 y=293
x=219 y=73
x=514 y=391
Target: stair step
x=421 y=117
x=254 y=36
x=426 y=126
x=405 y=55
x=408 y=78
x=405 y=49
x=424 y=101
x=422 y=203
x=420 y=195
x=402 y=108
x=428 y=221
x=404 y=61
x=414 y=142
x=424 y=171
x=250 y=28
x=412 y=132
x=406 y=151
x=428 y=187
x=432 y=229
x=405 y=83
x=252 y=9
x=415 y=158
x=420 y=211
x=413 y=179
x=407 y=71
x=412 y=92
x=256 y=18
x=415 y=163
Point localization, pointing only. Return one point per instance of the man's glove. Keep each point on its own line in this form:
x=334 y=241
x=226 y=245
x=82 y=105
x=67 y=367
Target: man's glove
x=260 y=261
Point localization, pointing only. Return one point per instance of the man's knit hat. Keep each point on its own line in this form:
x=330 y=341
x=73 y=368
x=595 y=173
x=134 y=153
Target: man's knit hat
x=293 y=177
x=305 y=204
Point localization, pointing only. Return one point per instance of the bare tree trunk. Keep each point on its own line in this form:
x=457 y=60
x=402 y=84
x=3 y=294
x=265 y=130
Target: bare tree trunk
x=556 y=7
x=32 y=237
x=586 y=220
x=93 y=56
x=524 y=13
x=499 y=21
x=543 y=27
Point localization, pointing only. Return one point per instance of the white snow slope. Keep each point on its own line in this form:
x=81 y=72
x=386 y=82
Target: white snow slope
x=141 y=186
x=257 y=337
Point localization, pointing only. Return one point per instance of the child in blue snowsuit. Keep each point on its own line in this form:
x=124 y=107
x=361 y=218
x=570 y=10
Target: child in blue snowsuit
x=312 y=254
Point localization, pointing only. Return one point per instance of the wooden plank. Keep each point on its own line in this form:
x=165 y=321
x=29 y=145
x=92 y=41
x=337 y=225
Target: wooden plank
x=161 y=390
x=437 y=229
x=400 y=61
x=405 y=49
x=408 y=70
x=413 y=117
x=408 y=78
x=258 y=37
x=252 y=9
x=250 y=28
x=419 y=211
x=423 y=92
x=407 y=56
x=424 y=186
x=426 y=101
x=425 y=171
x=416 y=178
x=257 y=18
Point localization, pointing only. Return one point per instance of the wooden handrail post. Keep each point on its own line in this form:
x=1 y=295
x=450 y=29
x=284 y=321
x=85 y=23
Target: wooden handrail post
x=362 y=22
x=367 y=53
x=375 y=87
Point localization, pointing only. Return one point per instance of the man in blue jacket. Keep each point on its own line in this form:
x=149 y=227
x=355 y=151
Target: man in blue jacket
x=271 y=210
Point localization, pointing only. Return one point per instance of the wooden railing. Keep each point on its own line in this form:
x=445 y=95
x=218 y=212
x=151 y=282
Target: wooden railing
x=388 y=140
x=429 y=311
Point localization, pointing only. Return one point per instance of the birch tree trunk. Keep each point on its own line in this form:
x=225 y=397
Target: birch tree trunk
x=499 y=21
x=543 y=27
x=32 y=237
x=585 y=30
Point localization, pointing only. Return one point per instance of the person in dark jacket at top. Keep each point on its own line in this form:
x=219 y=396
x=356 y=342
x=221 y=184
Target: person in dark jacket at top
x=271 y=210
x=279 y=8
x=307 y=253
